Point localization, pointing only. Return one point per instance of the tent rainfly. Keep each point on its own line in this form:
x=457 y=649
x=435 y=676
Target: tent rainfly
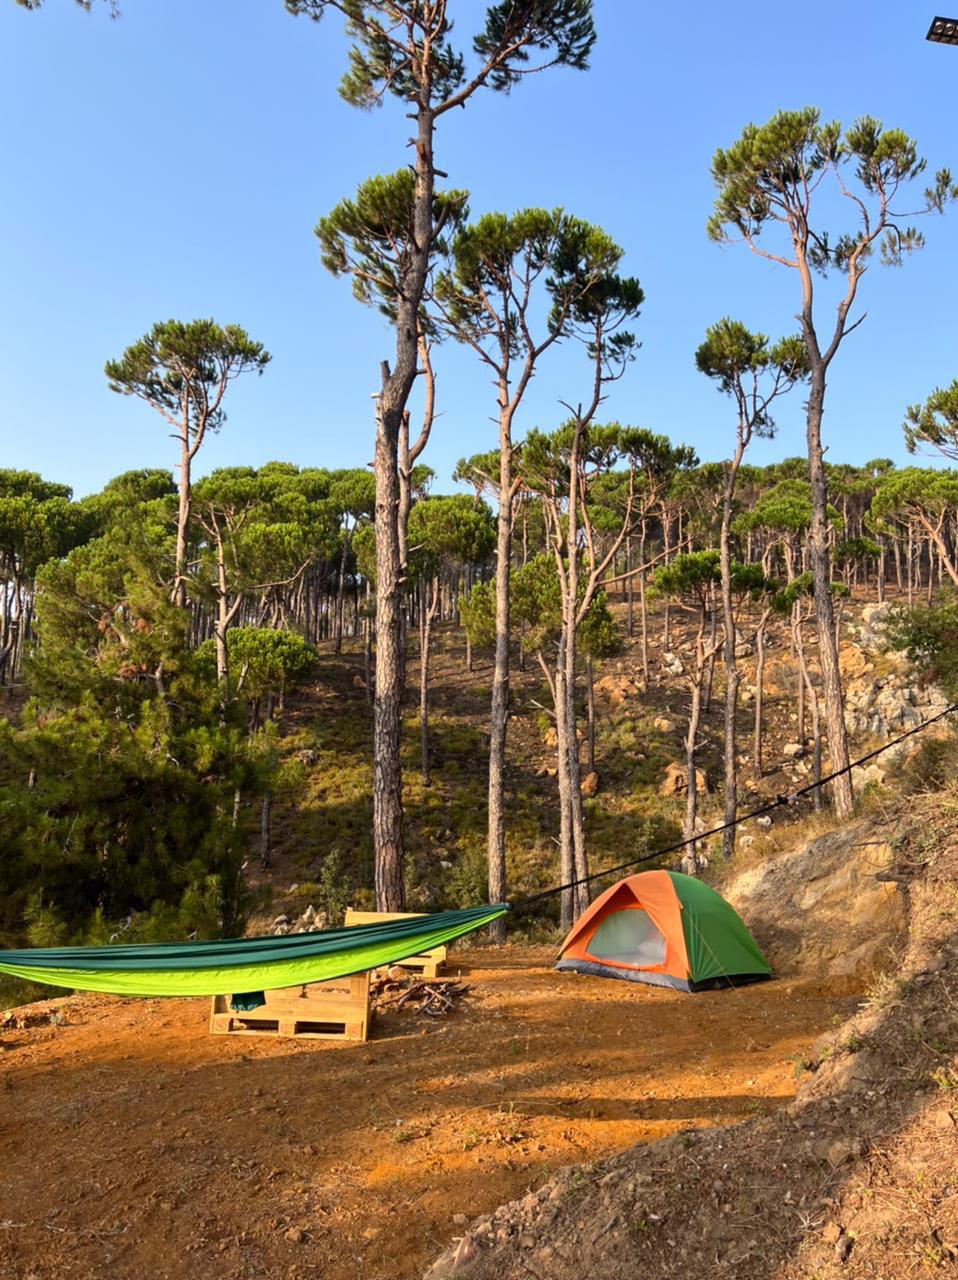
x=665 y=929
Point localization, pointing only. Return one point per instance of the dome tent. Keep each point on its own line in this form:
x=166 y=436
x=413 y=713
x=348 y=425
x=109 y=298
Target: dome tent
x=666 y=929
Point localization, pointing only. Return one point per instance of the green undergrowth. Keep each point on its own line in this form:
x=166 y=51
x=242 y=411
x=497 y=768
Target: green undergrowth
x=323 y=811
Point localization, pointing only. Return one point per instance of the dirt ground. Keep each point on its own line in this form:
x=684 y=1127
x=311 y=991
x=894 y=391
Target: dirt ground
x=134 y=1145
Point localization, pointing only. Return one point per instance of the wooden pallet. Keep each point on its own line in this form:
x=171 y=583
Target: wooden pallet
x=333 y=1010
x=429 y=963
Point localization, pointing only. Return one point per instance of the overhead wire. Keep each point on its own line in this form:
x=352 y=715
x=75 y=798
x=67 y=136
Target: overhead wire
x=778 y=803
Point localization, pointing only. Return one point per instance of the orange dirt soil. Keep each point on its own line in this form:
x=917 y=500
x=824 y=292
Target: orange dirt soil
x=134 y=1146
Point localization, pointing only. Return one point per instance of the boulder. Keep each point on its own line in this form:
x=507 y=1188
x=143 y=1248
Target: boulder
x=661 y=725
x=792 y=750
x=673 y=664
x=692 y=863
x=869 y=775
x=676 y=781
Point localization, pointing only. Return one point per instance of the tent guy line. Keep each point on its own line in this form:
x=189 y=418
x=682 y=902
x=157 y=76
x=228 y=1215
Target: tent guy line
x=778 y=803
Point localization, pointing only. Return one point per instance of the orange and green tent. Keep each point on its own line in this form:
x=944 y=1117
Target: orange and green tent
x=666 y=929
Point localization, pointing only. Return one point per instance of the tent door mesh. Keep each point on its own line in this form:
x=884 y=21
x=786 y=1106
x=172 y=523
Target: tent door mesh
x=628 y=937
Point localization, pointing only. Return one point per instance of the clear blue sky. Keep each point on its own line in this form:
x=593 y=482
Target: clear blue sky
x=174 y=162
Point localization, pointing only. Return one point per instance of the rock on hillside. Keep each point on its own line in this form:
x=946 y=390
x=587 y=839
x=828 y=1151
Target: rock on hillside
x=828 y=908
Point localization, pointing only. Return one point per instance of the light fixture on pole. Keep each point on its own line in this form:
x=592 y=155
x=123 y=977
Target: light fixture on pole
x=943 y=31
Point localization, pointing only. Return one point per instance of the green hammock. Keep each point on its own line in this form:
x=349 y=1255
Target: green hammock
x=242 y=964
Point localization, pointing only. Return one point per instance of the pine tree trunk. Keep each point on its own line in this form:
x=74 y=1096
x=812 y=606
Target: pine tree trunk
x=643 y=614
x=387 y=706
x=427 y=614
x=499 y=709
x=265 y=833
x=759 y=694
x=712 y=651
x=340 y=596
x=732 y=674
x=800 y=680
x=182 y=521
x=629 y=588
x=733 y=679
x=390 y=533
x=576 y=812
x=222 y=613
x=695 y=714
x=818 y=556
x=590 y=713
x=816 y=719
x=567 y=906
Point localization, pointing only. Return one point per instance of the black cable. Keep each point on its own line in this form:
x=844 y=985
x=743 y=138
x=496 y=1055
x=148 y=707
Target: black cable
x=777 y=803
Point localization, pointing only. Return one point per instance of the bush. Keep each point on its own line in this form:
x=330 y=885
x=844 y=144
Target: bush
x=466 y=882
x=928 y=636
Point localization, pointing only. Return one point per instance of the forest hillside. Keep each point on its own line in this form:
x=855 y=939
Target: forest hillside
x=248 y=1139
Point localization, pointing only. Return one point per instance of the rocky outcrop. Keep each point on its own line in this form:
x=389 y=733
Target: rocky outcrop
x=616 y=689
x=886 y=706
x=873 y=629
x=828 y=908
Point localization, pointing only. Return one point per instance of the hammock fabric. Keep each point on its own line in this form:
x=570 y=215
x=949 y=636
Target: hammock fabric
x=242 y=964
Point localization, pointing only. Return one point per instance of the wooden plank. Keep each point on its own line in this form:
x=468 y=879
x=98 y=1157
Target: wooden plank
x=429 y=963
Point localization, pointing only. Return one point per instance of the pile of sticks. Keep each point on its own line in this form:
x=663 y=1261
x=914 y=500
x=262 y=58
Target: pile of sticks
x=435 y=997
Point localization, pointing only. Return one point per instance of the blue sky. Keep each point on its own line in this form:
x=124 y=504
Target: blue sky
x=174 y=163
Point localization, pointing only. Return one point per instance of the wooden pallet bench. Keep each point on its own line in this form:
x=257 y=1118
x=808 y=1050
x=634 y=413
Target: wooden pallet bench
x=333 y=1010
x=429 y=963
